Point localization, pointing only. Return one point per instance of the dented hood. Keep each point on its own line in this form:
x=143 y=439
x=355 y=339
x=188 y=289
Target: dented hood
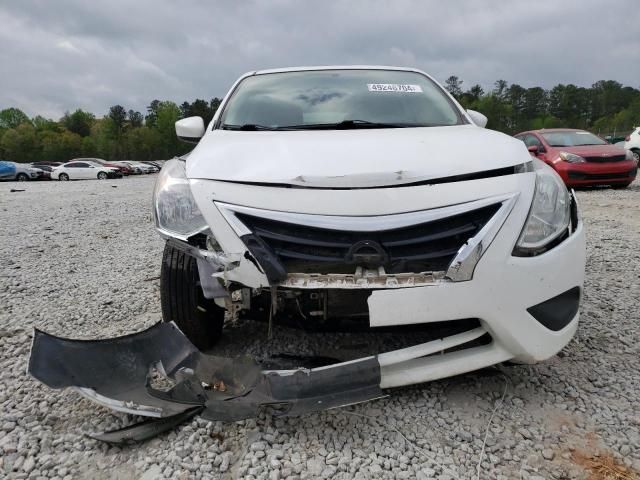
x=352 y=158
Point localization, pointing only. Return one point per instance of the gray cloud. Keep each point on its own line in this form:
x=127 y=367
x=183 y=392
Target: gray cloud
x=62 y=55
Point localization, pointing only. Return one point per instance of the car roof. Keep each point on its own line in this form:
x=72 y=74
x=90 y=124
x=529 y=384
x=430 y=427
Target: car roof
x=334 y=67
x=544 y=130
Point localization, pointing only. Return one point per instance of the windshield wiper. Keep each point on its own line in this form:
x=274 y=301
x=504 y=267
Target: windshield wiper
x=346 y=125
x=343 y=125
x=248 y=127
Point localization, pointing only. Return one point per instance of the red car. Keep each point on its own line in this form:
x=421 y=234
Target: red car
x=581 y=158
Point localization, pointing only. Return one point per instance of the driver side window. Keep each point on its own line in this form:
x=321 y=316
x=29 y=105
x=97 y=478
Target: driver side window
x=531 y=140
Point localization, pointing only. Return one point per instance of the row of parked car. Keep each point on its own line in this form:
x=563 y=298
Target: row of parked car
x=76 y=169
x=581 y=158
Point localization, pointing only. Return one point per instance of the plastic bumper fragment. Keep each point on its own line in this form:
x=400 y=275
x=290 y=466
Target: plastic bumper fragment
x=159 y=373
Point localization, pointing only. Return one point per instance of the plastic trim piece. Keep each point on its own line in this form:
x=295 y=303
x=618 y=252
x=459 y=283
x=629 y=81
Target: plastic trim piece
x=557 y=312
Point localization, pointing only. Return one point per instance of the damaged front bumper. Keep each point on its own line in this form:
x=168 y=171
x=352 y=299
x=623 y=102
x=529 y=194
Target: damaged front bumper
x=159 y=373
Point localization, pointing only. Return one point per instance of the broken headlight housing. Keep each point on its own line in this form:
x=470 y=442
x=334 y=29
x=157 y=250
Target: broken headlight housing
x=549 y=215
x=174 y=208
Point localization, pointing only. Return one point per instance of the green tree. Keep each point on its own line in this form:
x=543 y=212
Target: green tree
x=118 y=116
x=500 y=89
x=516 y=97
x=475 y=92
x=497 y=111
x=79 y=122
x=535 y=103
x=45 y=124
x=152 y=113
x=454 y=85
x=214 y=104
x=135 y=119
x=12 y=118
x=20 y=144
x=168 y=113
x=143 y=144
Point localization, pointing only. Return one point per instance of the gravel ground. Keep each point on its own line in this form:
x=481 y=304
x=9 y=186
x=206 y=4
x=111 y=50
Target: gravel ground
x=574 y=416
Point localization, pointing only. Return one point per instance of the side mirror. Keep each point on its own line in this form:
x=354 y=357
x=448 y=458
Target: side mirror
x=190 y=129
x=533 y=149
x=477 y=118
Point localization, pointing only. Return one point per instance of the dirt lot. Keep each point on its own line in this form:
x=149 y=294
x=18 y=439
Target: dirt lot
x=82 y=259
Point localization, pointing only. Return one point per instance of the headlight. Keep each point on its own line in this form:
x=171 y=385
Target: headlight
x=571 y=157
x=175 y=210
x=549 y=215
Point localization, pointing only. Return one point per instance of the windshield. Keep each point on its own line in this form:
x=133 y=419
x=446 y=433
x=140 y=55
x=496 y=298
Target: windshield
x=338 y=99
x=572 y=139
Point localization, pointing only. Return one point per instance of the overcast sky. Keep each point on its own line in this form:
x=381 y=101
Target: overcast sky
x=67 y=54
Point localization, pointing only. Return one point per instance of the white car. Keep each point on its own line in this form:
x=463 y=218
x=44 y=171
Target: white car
x=84 y=170
x=144 y=167
x=367 y=185
x=632 y=143
x=135 y=169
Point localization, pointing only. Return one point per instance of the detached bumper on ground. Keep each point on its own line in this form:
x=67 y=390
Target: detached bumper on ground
x=159 y=373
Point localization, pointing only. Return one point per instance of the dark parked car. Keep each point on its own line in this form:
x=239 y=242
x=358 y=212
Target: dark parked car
x=44 y=163
x=43 y=171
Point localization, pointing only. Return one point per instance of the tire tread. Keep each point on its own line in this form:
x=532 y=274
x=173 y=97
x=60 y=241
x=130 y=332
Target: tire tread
x=181 y=295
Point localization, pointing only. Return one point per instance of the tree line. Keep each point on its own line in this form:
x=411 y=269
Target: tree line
x=121 y=134
x=606 y=108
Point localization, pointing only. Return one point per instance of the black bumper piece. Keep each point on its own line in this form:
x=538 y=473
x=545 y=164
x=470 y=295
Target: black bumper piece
x=122 y=373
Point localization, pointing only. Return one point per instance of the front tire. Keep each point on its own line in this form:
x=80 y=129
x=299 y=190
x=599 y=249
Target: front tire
x=183 y=302
x=22 y=177
x=636 y=154
x=102 y=176
x=63 y=177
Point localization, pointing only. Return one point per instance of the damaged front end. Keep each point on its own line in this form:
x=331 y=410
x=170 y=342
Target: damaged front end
x=159 y=373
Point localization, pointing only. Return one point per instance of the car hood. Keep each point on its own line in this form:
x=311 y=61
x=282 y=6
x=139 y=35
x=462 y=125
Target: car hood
x=352 y=158
x=593 y=150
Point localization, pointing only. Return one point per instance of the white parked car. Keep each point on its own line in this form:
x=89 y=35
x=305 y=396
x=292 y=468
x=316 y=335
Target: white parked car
x=84 y=170
x=369 y=188
x=632 y=143
x=135 y=169
x=143 y=167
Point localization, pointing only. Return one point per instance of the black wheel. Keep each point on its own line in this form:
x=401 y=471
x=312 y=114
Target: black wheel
x=63 y=177
x=183 y=302
x=102 y=176
x=636 y=154
x=22 y=177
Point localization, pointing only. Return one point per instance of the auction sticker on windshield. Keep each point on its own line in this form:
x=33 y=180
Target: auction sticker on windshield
x=393 y=87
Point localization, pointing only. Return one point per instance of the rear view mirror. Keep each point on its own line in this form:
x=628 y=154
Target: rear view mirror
x=534 y=149
x=190 y=129
x=477 y=118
